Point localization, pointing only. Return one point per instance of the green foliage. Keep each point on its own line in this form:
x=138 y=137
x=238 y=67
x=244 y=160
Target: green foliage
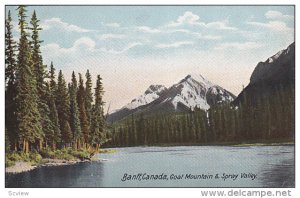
x=267 y=118
x=80 y=154
x=65 y=154
x=40 y=111
x=9 y=162
x=35 y=157
x=108 y=151
x=11 y=87
x=63 y=109
x=98 y=121
x=74 y=112
x=32 y=157
x=84 y=120
x=51 y=87
x=27 y=112
x=88 y=98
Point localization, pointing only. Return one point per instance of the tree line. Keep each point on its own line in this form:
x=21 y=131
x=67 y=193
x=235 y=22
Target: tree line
x=269 y=118
x=40 y=109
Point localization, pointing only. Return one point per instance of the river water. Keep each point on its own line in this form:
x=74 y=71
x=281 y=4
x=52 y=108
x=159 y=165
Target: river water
x=182 y=166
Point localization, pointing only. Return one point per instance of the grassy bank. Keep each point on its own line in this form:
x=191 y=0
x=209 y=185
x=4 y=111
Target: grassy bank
x=48 y=157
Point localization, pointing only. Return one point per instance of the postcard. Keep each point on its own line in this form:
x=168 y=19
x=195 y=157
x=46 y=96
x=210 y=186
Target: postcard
x=114 y=96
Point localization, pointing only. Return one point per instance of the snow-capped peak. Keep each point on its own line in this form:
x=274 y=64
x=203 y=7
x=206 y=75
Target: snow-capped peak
x=192 y=91
x=155 y=89
x=197 y=78
x=195 y=91
x=151 y=94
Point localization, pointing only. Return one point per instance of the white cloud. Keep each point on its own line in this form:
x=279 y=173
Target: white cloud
x=58 y=23
x=276 y=15
x=222 y=25
x=147 y=29
x=188 y=17
x=239 y=46
x=115 y=25
x=80 y=47
x=174 y=45
x=84 y=42
x=276 y=22
x=128 y=47
x=192 y=19
x=273 y=25
x=111 y=36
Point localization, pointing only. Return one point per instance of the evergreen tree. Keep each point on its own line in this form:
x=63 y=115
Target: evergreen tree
x=51 y=87
x=82 y=111
x=37 y=62
x=88 y=97
x=74 y=112
x=52 y=78
x=98 y=122
x=11 y=89
x=40 y=75
x=63 y=109
x=53 y=138
x=28 y=116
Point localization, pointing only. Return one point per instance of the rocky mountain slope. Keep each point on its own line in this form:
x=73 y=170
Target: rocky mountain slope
x=190 y=92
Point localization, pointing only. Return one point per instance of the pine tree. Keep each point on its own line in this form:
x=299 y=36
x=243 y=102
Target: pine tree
x=37 y=62
x=53 y=110
x=52 y=78
x=88 y=97
x=11 y=89
x=28 y=116
x=82 y=111
x=63 y=109
x=98 y=122
x=40 y=74
x=74 y=112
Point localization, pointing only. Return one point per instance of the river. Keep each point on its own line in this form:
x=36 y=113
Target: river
x=182 y=166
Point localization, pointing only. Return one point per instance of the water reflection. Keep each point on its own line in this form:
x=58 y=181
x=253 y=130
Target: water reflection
x=279 y=175
x=274 y=166
x=78 y=175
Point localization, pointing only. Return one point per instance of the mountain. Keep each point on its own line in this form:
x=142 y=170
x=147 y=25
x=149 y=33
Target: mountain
x=190 y=92
x=277 y=72
x=152 y=93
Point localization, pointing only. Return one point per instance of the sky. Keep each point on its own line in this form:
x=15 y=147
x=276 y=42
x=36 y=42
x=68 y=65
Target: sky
x=132 y=47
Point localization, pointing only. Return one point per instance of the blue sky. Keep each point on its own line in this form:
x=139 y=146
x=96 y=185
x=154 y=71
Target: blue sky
x=135 y=46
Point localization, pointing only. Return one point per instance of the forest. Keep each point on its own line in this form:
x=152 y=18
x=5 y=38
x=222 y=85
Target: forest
x=267 y=118
x=42 y=110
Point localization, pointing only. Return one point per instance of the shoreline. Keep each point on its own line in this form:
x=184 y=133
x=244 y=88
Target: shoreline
x=21 y=166
x=233 y=144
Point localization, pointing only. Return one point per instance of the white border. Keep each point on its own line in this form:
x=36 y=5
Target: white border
x=123 y=192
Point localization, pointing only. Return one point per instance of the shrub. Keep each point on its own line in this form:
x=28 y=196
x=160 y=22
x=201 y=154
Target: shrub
x=14 y=156
x=80 y=154
x=35 y=157
x=9 y=162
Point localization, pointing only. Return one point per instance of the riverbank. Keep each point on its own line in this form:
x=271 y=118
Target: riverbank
x=21 y=166
x=237 y=144
x=17 y=162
